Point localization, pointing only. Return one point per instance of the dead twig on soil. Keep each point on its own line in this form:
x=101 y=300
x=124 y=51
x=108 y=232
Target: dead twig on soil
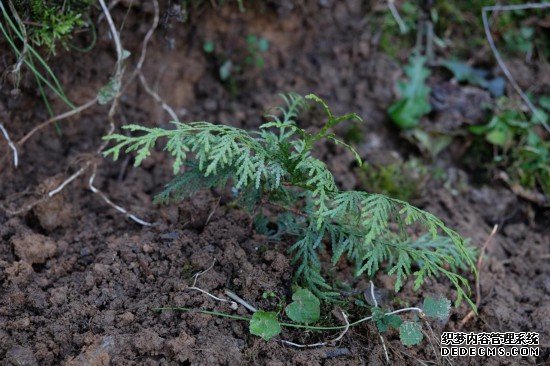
x=11 y=145
x=233 y=304
x=241 y=301
x=498 y=57
x=69 y=180
x=533 y=196
x=119 y=71
x=375 y=302
x=478 y=286
x=138 y=70
x=157 y=97
x=422 y=362
x=57 y=118
x=111 y=203
x=16 y=71
x=213 y=211
x=397 y=17
x=321 y=344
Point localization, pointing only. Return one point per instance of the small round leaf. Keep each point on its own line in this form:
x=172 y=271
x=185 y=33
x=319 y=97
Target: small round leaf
x=265 y=324
x=305 y=308
x=410 y=333
x=436 y=308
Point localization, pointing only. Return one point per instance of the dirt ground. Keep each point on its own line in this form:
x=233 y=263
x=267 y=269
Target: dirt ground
x=78 y=281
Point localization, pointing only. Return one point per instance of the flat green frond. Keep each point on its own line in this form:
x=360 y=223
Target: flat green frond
x=375 y=215
x=141 y=144
x=332 y=120
x=275 y=165
x=323 y=104
x=337 y=141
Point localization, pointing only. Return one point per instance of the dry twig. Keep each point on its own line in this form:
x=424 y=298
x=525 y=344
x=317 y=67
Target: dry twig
x=373 y=297
x=478 y=287
x=498 y=57
x=11 y=145
x=321 y=344
x=397 y=17
x=233 y=304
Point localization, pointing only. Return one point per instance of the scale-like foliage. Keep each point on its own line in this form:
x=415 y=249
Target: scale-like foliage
x=275 y=166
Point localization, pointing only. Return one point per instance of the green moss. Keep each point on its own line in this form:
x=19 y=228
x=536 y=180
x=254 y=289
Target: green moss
x=52 y=22
x=401 y=180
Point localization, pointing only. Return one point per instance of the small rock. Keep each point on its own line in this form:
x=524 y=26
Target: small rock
x=337 y=352
x=21 y=356
x=148 y=342
x=108 y=317
x=58 y=295
x=53 y=213
x=501 y=201
x=456 y=105
x=126 y=318
x=172 y=235
x=97 y=354
x=33 y=248
x=210 y=105
x=19 y=273
x=180 y=343
x=17 y=298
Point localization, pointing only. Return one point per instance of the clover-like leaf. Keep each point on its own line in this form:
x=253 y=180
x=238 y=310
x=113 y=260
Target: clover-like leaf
x=265 y=324
x=305 y=308
x=410 y=333
x=436 y=308
x=388 y=321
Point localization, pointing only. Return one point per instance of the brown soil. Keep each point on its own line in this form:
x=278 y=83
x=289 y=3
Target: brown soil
x=78 y=282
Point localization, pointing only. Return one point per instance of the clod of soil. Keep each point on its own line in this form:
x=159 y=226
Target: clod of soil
x=33 y=248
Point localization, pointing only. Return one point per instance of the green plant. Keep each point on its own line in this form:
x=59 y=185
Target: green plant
x=522 y=41
x=305 y=309
x=20 y=40
x=413 y=102
x=396 y=37
x=230 y=67
x=401 y=180
x=52 y=22
x=520 y=148
x=275 y=166
x=256 y=46
x=457 y=27
x=463 y=72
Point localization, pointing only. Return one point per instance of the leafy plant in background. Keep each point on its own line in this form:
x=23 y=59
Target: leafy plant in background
x=463 y=72
x=27 y=25
x=521 y=41
x=231 y=66
x=413 y=103
x=521 y=148
x=456 y=26
x=396 y=37
x=413 y=100
x=274 y=166
x=52 y=22
x=256 y=46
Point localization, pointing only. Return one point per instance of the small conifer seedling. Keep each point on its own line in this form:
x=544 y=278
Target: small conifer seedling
x=275 y=166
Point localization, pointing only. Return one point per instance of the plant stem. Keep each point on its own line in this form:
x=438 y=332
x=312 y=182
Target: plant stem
x=288 y=325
